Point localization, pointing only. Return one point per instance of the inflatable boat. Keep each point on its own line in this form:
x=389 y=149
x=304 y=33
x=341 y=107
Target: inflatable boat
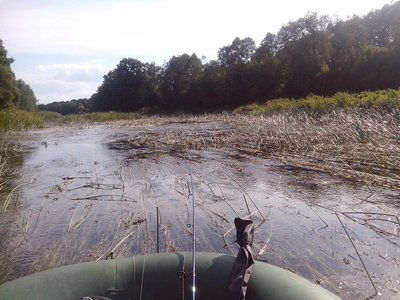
x=159 y=276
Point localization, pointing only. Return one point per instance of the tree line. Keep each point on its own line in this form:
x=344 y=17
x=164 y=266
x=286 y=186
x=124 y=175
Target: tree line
x=13 y=93
x=312 y=55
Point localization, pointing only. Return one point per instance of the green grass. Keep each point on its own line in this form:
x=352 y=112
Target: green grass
x=384 y=99
x=101 y=117
x=14 y=119
x=51 y=117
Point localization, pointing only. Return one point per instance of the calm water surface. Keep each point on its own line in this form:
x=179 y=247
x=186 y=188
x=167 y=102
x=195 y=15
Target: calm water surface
x=84 y=190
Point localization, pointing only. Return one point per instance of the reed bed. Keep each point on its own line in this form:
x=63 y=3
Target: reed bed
x=96 y=117
x=14 y=119
x=8 y=156
x=357 y=144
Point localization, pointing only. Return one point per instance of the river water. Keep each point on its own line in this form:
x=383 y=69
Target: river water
x=85 y=190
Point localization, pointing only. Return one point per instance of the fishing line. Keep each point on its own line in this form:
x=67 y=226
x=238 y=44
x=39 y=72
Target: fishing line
x=194 y=238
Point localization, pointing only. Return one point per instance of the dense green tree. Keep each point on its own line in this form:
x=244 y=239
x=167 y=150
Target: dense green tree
x=208 y=90
x=13 y=93
x=130 y=86
x=239 y=52
x=8 y=88
x=384 y=26
x=26 y=100
x=266 y=52
x=234 y=60
x=4 y=60
x=265 y=70
x=304 y=55
x=181 y=74
x=349 y=39
x=74 y=106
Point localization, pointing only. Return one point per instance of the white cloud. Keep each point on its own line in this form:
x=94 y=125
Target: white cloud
x=49 y=90
x=62 y=82
x=91 y=71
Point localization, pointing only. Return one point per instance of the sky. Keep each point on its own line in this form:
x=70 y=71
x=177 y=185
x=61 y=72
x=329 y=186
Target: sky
x=62 y=49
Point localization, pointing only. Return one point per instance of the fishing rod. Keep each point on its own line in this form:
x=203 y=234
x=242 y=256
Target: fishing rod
x=194 y=240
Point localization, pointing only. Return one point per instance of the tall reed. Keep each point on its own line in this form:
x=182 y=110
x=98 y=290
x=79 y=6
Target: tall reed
x=14 y=119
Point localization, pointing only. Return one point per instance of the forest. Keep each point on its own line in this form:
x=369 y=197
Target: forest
x=315 y=54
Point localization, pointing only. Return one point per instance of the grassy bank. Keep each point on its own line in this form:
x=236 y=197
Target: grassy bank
x=53 y=118
x=313 y=104
x=99 y=117
x=14 y=119
x=21 y=120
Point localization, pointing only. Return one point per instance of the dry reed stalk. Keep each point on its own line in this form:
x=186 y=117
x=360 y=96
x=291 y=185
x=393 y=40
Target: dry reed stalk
x=111 y=253
x=25 y=222
x=320 y=143
x=72 y=226
x=11 y=194
x=98 y=186
x=169 y=242
x=122 y=198
x=220 y=215
x=376 y=229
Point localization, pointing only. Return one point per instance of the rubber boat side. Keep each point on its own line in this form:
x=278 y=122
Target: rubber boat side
x=159 y=276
